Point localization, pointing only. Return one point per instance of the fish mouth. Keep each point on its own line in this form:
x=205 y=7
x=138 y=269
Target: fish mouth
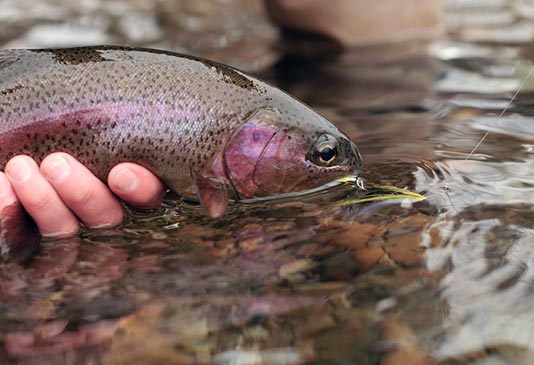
x=323 y=176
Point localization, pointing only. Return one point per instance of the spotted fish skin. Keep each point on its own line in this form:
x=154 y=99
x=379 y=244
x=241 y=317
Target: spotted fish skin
x=207 y=130
x=106 y=105
x=171 y=113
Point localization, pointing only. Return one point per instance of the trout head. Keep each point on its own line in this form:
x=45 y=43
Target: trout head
x=269 y=156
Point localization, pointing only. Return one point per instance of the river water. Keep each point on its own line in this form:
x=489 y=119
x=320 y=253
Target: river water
x=325 y=279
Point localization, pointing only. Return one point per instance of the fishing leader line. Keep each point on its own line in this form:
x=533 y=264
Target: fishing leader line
x=521 y=86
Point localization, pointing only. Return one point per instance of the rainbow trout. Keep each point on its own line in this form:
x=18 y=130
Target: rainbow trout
x=209 y=131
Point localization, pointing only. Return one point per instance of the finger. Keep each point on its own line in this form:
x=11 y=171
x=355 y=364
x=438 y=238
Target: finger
x=40 y=199
x=81 y=191
x=7 y=194
x=19 y=234
x=136 y=185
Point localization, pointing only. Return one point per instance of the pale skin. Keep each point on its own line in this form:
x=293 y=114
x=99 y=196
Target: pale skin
x=61 y=192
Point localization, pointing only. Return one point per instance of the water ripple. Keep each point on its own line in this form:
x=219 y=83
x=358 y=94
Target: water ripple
x=515 y=125
x=489 y=287
x=455 y=185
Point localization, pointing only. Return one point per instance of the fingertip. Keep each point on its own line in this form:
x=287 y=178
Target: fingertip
x=136 y=185
x=55 y=167
x=19 y=169
x=124 y=180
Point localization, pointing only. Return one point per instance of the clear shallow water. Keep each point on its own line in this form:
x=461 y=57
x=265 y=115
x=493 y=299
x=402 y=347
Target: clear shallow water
x=444 y=281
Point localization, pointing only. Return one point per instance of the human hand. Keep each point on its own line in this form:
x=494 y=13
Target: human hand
x=61 y=192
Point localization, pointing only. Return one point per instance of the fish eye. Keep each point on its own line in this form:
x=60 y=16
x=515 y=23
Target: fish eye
x=325 y=152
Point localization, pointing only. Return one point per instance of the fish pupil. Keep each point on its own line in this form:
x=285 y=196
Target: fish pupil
x=327 y=154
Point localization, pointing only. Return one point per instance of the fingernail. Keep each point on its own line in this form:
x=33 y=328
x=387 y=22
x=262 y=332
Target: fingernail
x=56 y=168
x=19 y=170
x=126 y=180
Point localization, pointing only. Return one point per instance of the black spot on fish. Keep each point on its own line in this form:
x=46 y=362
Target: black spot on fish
x=10 y=90
x=74 y=56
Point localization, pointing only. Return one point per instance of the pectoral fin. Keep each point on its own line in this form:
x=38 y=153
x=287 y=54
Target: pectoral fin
x=212 y=195
x=19 y=236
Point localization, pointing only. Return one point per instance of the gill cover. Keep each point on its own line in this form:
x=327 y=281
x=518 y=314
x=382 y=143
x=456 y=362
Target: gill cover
x=246 y=148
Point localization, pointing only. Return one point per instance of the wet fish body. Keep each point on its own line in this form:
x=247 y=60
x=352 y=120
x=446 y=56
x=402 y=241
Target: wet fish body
x=107 y=105
x=207 y=130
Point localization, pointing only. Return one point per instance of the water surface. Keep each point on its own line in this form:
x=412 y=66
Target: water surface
x=312 y=280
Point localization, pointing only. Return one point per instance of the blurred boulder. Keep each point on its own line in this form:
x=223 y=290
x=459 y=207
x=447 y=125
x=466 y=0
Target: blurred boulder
x=360 y=22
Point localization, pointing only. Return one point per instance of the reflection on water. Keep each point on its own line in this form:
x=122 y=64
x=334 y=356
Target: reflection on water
x=309 y=280
x=493 y=305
